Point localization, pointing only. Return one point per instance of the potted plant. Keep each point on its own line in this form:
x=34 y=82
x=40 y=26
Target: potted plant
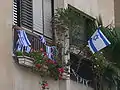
x=41 y=63
x=24 y=59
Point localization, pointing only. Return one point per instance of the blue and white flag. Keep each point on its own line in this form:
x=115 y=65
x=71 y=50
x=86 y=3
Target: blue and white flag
x=42 y=39
x=23 y=41
x=98 y=41
x=49 y=52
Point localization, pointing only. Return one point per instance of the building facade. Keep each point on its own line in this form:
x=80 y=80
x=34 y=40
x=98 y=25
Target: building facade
x=40 y=12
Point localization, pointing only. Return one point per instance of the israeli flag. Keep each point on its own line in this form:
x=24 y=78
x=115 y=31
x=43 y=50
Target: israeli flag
x=42 y=39
x=98 y=41
x=49 y=52
x=23 y=41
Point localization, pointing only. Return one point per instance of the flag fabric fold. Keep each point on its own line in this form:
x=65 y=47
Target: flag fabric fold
x=42 y=39
x=49 y=52
x=23 y=42
x=98 y=41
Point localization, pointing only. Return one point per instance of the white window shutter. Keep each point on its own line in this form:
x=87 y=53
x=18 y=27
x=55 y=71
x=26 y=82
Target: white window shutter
x=37 y=16
x=47 y=18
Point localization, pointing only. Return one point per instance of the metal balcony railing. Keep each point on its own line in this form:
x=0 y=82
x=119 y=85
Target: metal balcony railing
x=34 y=38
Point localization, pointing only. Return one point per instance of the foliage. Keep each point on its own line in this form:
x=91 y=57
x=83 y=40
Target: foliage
x=69 y=19
x=19 y=53
x=106 y=62
x=44 y=85
x=110 y=54
x=43 y=64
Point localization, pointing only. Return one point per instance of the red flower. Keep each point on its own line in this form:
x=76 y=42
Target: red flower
x=50 y=61
x=61 y=70
x=41 y=49
x=46 y=85
x=38 y=65
x=47 y=61
x=45 y=54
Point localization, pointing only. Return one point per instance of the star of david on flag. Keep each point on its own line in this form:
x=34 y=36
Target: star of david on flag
x=98 y=41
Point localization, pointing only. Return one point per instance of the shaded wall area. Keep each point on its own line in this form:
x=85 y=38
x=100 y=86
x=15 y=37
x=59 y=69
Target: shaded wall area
x=117 y=12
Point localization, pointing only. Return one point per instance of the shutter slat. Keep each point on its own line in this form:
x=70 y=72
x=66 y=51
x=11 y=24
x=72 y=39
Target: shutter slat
x=26 y=20
x=26 y=14
x=26 y=25
x=27 y=6
x=27 y=1
x=15 y=12
x=27 y=9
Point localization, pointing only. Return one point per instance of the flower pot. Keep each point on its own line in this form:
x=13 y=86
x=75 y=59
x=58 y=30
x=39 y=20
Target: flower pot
x=25 y=61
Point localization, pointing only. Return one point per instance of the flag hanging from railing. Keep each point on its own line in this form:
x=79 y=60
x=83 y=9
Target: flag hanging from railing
x=50 y=50
x=23 y=42
x=98 y=41
x=42 y=39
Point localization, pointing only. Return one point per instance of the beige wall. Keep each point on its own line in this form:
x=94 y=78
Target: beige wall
x=6 y=74
x=94 y=8
x=23 y=79
x=89 y=7
x=78 y=86
x=12 y=77
x=106 y=10
x=58 y=4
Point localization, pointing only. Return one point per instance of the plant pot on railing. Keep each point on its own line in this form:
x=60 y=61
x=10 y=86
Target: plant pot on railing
x=25 y=61
x=39 y=62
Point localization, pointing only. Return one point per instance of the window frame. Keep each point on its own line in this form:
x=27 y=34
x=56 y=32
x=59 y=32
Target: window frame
x=75 y=63
x=32 y=29
x=85 y=17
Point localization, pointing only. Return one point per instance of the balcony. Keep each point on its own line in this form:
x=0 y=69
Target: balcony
x=37 y=59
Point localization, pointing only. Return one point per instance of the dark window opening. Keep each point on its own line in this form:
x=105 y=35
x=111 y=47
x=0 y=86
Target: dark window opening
x=82 y=68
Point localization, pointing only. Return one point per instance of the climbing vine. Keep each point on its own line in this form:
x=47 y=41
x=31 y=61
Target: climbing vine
x=105 y=61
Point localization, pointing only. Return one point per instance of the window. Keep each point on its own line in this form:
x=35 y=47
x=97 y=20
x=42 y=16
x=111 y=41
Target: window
x=23 y=13
x=33 y=15
x=81 y=68
x=84 y=23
